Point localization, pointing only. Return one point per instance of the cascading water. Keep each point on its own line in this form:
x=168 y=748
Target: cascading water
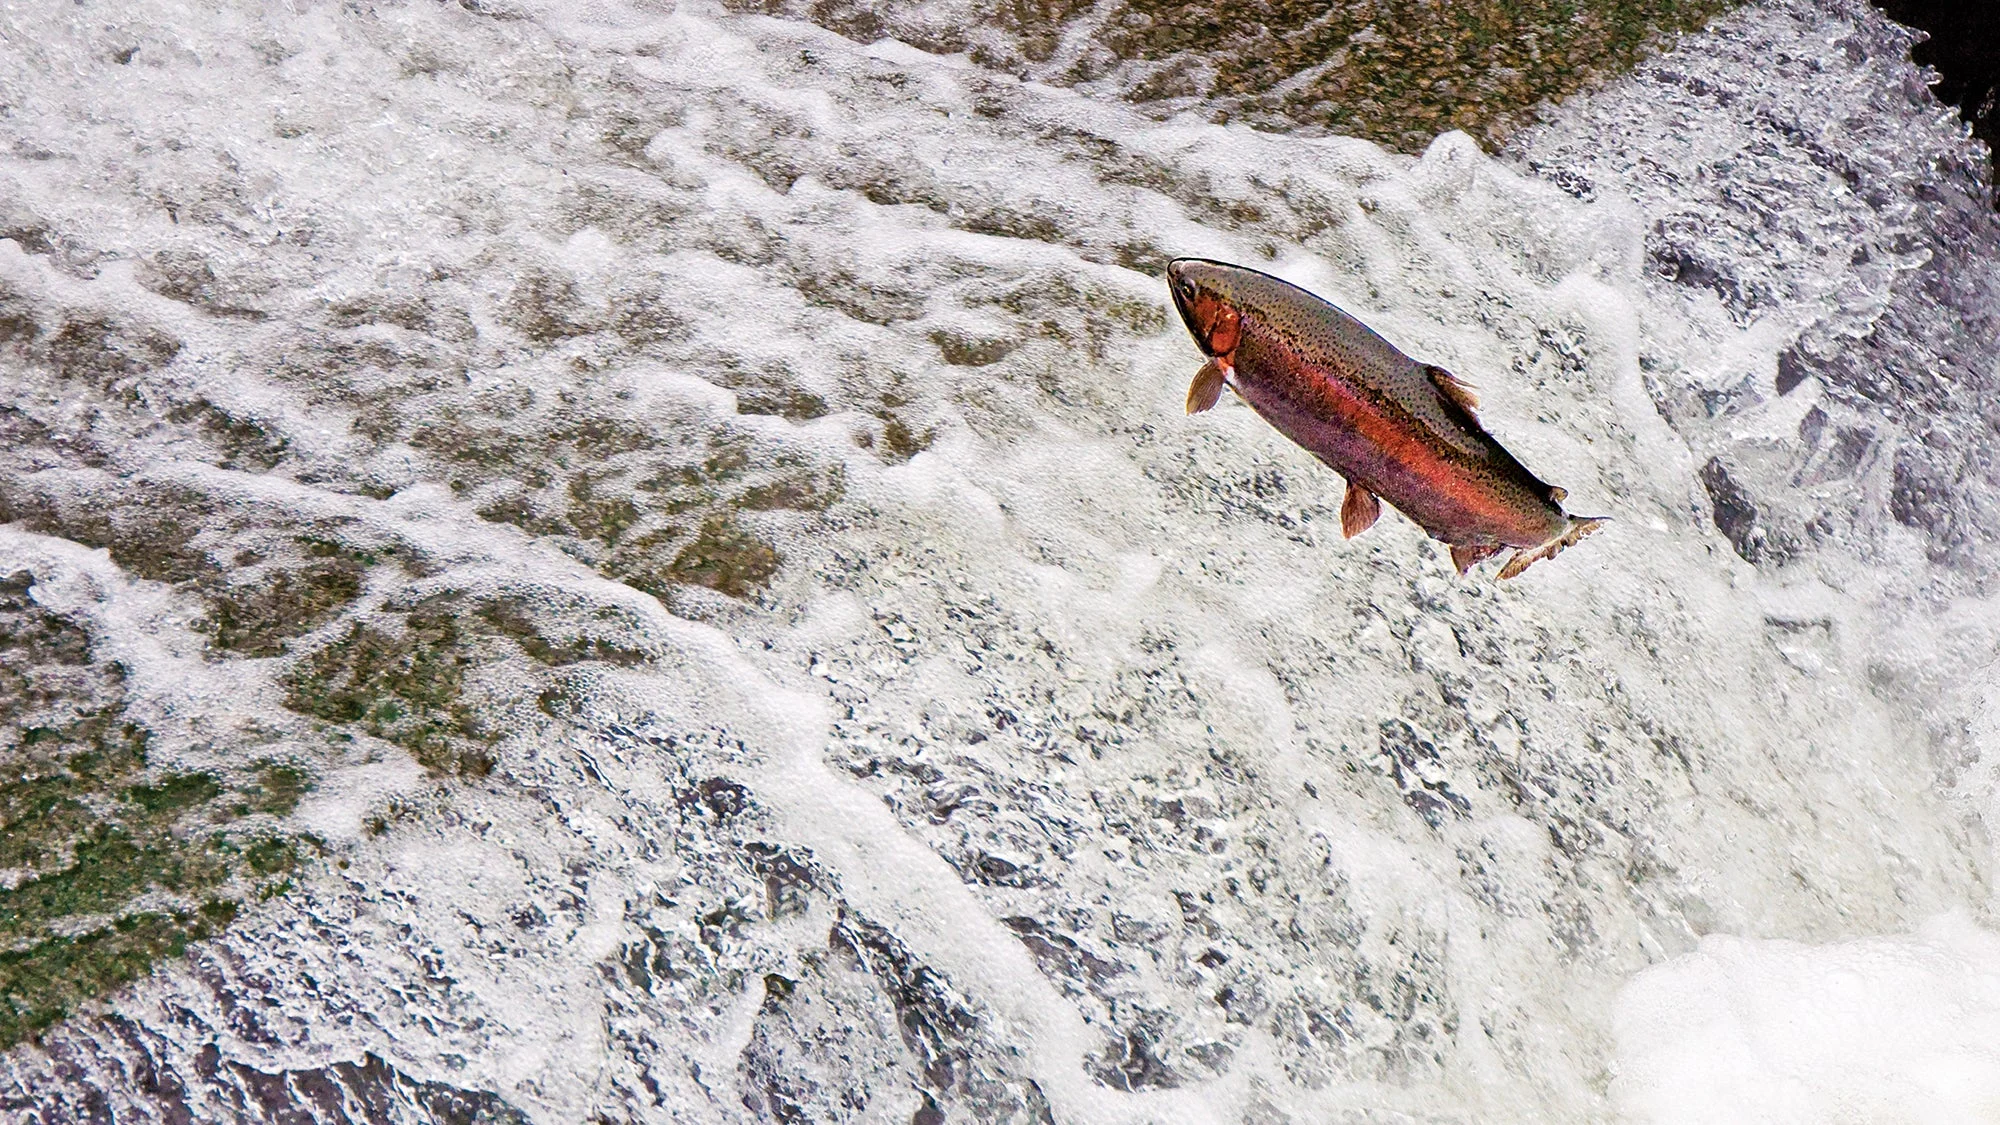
x=704 y=505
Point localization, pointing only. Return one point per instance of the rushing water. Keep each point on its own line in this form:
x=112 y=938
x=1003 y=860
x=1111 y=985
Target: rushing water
x=870 y=698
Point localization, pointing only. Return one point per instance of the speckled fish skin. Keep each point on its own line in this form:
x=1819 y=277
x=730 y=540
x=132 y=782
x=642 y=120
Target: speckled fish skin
x=1395 y=428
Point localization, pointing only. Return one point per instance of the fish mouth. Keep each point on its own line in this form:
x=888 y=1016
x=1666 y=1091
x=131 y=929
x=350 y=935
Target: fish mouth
x=1183 y=293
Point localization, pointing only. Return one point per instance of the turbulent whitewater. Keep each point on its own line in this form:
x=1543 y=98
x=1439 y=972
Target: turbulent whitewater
x=684 y=526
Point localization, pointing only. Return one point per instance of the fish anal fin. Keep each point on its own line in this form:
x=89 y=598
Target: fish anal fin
x=1465 y=556
x=1206 y=388
x=1456 y=390
x=1358 y=511
x=1579 y=526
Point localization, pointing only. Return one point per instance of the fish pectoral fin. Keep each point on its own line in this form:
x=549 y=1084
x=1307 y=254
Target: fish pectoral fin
x=1579 y=526
x=1358 y=511
x=1455 y=390
x=1465 y=556
x=1206 y=388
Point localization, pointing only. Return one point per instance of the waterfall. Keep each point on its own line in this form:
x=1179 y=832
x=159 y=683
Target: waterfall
x=641 y=562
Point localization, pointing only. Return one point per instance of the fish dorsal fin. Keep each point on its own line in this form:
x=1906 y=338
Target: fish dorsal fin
x=1454 y=389
x=1359 y=510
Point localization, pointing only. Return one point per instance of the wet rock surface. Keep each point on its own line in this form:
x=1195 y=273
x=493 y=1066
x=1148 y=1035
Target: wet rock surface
x=1397 y=74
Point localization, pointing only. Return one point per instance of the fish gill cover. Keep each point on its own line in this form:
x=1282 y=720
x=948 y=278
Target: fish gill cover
x=653 y=557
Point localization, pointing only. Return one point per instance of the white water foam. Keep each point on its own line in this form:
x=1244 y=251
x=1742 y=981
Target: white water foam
x=1902 y=1029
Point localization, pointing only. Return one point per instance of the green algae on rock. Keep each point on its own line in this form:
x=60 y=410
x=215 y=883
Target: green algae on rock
x=440 y=675
x=110 y=863
x=262 y=585
x=404 y=683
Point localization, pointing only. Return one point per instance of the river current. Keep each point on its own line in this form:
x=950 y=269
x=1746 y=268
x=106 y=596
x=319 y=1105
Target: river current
x=702 y=507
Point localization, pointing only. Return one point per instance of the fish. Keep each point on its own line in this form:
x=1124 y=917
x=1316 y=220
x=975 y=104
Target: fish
x=1399 y=431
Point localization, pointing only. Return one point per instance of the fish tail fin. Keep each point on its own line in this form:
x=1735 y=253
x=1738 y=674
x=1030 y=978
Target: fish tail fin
x=1578 y=527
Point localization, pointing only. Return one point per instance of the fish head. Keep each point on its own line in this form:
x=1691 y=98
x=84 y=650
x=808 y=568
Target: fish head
x=1202 y=293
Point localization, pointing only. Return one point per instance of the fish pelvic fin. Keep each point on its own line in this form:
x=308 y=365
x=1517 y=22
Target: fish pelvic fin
x=1358 y=511
x=1206 y=388
x=1455 y=390
x=1465 y=556
x=1579 y=526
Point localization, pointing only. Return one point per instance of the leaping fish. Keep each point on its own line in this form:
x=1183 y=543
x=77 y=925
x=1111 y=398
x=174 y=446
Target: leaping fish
x=1396 y=429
